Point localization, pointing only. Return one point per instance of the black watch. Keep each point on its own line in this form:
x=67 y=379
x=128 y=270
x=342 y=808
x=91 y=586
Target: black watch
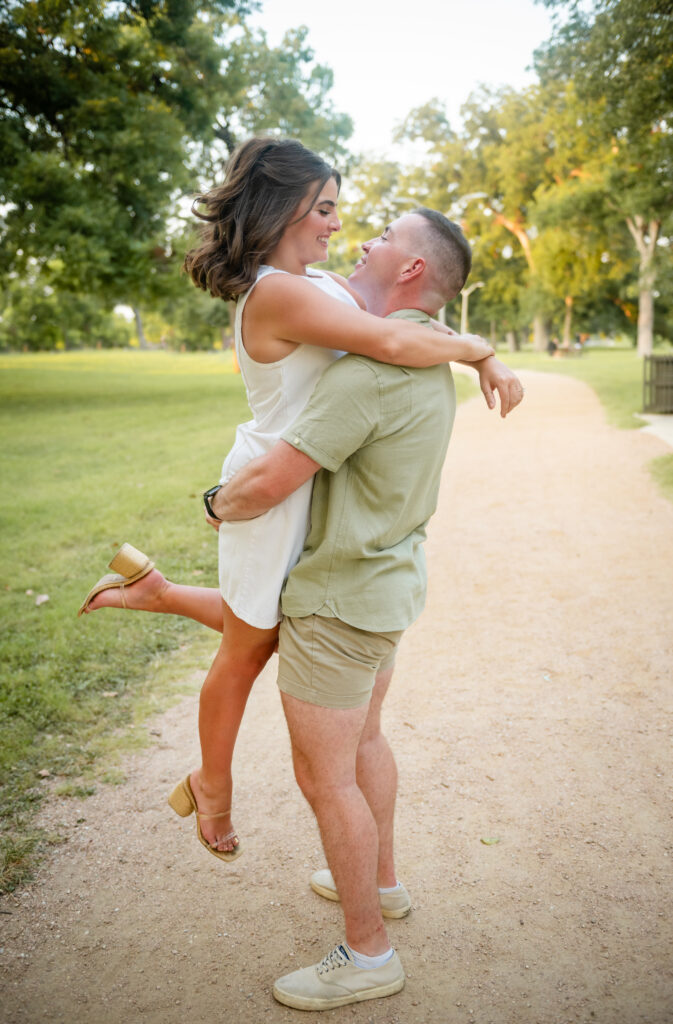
x=207 y=495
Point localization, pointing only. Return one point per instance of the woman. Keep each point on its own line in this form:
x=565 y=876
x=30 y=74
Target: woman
x=267 y=223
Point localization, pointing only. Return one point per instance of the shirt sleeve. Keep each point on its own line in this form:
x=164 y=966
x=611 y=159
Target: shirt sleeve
x=340 y=414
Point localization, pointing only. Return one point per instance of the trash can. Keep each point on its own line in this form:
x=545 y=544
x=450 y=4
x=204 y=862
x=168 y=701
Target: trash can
x=658 y=384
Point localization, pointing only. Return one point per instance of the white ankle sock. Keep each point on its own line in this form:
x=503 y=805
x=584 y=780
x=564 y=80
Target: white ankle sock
x=368 y=963
x=392 y=888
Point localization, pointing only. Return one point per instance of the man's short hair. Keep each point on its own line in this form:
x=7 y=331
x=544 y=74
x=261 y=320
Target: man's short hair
x=451 y=253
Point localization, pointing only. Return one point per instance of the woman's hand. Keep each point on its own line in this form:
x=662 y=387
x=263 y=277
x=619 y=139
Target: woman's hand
x=494 y=376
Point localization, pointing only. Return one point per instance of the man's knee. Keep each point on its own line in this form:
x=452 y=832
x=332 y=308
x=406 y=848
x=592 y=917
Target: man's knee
x=304 y=776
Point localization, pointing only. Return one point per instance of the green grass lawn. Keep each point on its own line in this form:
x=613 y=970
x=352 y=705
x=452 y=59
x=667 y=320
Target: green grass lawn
x=617 y=378
x=97 y=449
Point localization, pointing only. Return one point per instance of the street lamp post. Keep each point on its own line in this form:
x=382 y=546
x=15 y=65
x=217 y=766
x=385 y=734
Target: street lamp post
x=464 y=295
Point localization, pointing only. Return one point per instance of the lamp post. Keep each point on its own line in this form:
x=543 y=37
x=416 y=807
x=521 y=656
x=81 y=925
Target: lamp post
x=464 y=295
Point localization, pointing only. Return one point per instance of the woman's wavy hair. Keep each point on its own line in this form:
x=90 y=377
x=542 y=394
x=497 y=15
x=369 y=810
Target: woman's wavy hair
x=265 y=181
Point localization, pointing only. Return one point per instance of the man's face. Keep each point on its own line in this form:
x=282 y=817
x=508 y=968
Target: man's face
x=384 y=257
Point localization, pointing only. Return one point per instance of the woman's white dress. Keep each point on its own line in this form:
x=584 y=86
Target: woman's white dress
x=255 y=556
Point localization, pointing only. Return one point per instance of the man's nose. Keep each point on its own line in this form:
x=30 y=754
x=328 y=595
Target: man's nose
x=366 y=246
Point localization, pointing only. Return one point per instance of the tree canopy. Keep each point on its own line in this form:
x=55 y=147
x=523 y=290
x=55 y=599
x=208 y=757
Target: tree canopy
x=113 y=110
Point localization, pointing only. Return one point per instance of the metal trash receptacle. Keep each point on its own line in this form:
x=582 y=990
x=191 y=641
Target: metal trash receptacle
x=658 y=384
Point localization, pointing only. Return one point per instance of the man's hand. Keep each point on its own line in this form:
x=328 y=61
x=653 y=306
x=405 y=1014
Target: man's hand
x=495 y=376
x=215 y=523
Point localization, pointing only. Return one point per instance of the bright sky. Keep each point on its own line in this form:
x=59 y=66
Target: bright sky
x=388 y=57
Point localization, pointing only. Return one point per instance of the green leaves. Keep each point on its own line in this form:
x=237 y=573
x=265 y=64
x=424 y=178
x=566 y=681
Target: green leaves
x=110 y=113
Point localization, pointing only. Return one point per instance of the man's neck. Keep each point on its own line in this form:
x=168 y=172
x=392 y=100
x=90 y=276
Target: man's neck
x=395 y=307
x=385 y=303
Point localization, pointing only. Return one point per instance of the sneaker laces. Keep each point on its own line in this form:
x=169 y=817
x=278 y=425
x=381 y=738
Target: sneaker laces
x=337 y=958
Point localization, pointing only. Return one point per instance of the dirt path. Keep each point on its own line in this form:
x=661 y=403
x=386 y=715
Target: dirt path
x=532 y=705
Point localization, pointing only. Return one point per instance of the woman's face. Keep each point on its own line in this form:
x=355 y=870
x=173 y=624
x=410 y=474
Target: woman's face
x=310 y=231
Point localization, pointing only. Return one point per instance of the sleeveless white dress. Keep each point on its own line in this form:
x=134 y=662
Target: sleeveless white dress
x=255 y=556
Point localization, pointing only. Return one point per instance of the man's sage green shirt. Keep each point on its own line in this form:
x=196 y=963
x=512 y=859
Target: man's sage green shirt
x=380 y=433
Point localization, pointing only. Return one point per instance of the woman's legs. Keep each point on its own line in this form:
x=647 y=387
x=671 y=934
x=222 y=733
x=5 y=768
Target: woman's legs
x=154 y=593
x=243 y=653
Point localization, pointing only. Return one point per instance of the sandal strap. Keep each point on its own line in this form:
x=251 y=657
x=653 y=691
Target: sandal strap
x=221 y=814
x=229 y=835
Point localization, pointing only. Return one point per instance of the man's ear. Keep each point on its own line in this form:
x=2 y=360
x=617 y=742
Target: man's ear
x=413 y=269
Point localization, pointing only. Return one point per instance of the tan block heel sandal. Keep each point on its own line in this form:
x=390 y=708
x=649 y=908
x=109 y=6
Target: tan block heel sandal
x=128 y=565
x=183 y=803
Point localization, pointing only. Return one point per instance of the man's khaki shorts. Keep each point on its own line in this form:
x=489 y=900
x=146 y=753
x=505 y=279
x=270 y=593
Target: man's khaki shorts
x=325 y=661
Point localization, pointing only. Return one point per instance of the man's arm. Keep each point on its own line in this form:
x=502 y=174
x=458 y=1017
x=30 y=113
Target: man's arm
x=263 y=483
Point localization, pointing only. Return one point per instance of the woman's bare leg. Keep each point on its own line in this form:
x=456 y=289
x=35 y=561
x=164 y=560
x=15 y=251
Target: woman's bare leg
x=243 y=653
x=154 y=593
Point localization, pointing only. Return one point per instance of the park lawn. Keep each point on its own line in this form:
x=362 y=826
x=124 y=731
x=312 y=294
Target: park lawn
x=98 y=448
x=616 y=375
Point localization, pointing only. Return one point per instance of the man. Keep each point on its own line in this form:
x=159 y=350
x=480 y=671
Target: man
x=376 y=436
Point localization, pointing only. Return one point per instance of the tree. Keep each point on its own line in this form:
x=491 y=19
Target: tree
x=111 y=112
x=35 y=316
x=620 y=57
x=491 y=169
x=280 y=91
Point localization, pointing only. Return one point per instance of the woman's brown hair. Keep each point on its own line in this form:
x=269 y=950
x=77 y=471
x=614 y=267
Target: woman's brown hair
x=265 y=181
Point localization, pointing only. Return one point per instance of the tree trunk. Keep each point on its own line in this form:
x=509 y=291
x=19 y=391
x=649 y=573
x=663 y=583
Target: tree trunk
x=494 y=339
x=645 y=319
x=540 y=334
x=568 y=322
x=512 y=342
x=645 y=234
x=142 y=340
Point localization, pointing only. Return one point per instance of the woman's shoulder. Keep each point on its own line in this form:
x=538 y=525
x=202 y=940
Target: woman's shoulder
x=344 y=284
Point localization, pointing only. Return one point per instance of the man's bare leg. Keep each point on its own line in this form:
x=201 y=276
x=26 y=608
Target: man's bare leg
x=377 y=779
x=243 y=653
x=324 y=747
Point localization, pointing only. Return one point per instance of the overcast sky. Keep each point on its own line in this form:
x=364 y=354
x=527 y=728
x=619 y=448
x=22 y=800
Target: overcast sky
x=389 y=57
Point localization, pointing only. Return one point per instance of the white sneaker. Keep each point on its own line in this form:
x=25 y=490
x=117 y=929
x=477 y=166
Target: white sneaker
x=336 y=981
x=393 y=904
